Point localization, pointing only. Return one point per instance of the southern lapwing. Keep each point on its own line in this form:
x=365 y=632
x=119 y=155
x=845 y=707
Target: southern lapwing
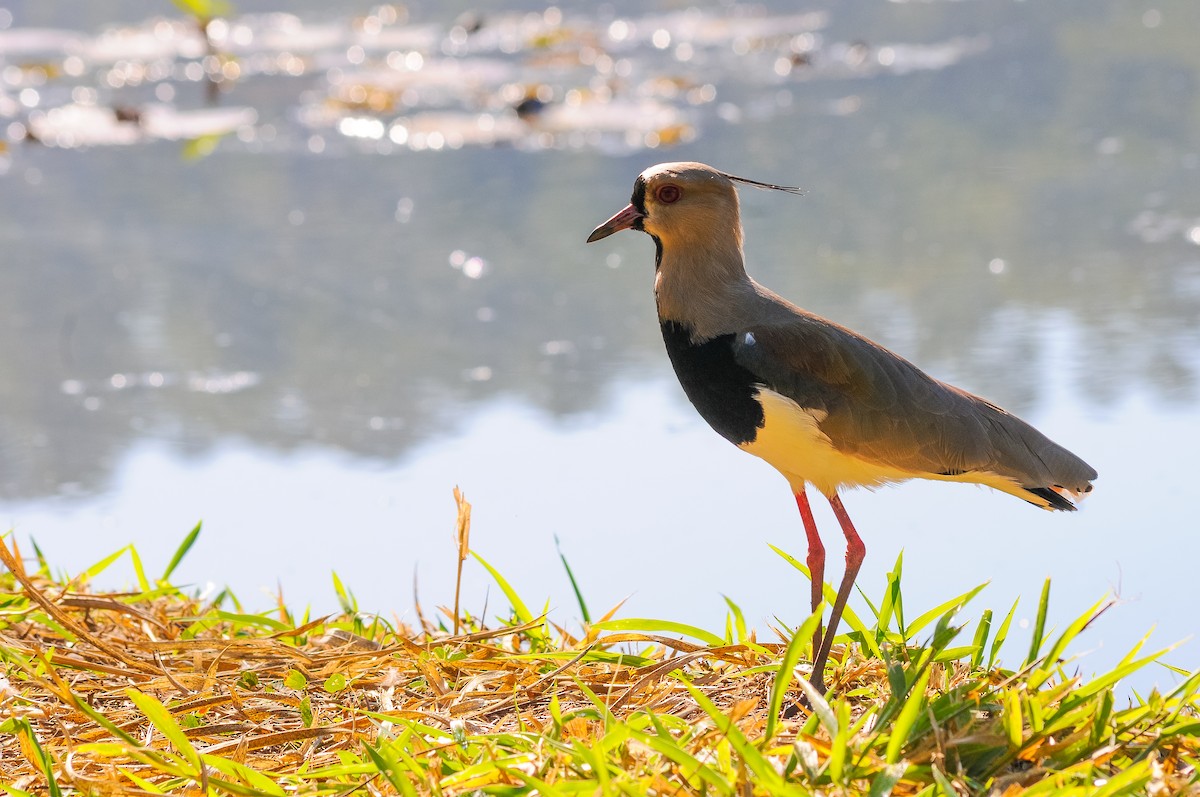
x=822 y=404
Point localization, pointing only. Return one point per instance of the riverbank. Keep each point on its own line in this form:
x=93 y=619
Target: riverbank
x=157 y=690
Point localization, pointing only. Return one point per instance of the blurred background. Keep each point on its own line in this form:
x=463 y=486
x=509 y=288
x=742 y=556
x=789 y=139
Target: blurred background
x=298 y=269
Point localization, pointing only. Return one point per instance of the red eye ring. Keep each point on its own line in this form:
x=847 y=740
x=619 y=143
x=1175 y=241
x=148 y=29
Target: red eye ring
x=668 y=193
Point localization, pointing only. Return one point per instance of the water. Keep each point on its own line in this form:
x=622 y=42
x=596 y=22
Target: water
x=307 y=336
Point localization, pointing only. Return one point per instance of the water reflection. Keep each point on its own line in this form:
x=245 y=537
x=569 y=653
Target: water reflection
x=1006 y=194
x=532 y=80
x=653 y=509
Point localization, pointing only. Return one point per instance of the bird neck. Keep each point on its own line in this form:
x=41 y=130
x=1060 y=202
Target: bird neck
x=701 y=283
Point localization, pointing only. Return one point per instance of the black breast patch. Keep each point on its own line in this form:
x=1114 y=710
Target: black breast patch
x=721 y=389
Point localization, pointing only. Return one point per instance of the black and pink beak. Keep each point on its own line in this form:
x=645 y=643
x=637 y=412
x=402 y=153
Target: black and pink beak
x=627 y=218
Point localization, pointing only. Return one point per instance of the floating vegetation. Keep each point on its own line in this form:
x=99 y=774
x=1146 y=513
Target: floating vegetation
x=547 y=79
x=217 y=382
x=159 y=690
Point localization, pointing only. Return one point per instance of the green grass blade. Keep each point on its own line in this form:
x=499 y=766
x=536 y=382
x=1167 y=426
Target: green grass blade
x=981 y=636
x=142 y=783
x=1110 y=678
x=15 y=792
x=787 y=666
x=1039 y=626
x=1053 y=787
x=955 y=654
x=1001 y=635
x=163 y=720
x=104 y=563
x=741 y=634
x=587 y=618
x=925 y=619
x=1101 y=717
x=345 y=597
x=896 y=680
x=181 y=552
x=839 y=749
x=1127 y=781
x=252 y=777
x=943 y=782
x=536 y=786
x=791 y=560
x=649 y=625
x=908 y=717
x=250 y=620
x=1013 y=723
x=687 y=763
x=1040 y=676
x=43 y=565
x=891 y=597
x=764 y=772
x=391 y=768
x=139 y=571
x=514 y=600
x=601 y=706
x=103 y=721
x=862 y=594
x=45 y=763
x=944 y=633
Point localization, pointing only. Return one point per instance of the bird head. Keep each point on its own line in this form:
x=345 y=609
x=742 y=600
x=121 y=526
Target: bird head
x=674 y=200
x=677 y=202
x=691 y=212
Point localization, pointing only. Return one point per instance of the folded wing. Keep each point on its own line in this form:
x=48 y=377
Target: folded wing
x=882 y=408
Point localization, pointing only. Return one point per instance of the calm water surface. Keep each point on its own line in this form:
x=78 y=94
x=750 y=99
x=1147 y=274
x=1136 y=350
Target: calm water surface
x=308 y=335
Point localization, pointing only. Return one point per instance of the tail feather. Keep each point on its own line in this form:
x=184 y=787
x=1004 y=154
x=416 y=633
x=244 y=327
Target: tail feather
x=1029 y=457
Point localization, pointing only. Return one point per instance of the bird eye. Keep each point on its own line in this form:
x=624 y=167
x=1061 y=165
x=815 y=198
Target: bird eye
x=668 y=193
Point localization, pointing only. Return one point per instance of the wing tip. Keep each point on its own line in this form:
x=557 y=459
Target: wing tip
x=1057 y=497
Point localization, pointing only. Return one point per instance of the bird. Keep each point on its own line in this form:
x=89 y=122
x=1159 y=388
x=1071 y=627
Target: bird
x=822 y=404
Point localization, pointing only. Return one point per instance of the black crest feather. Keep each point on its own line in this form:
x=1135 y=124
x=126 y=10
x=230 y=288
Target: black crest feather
x=790 y=189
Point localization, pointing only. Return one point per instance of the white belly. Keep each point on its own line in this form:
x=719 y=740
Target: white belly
x=791 y=441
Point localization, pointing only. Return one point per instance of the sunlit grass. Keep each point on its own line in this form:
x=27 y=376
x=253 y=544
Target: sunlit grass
x=157 y=691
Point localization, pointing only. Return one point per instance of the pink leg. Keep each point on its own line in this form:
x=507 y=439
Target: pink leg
x=816 y=559
x=855 y=551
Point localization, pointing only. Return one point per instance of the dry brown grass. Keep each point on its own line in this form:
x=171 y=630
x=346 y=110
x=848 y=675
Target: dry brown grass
x=156 y=691
x=283 y=701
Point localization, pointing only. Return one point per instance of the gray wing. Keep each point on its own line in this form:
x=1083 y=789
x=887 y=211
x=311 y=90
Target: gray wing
x=884 y=409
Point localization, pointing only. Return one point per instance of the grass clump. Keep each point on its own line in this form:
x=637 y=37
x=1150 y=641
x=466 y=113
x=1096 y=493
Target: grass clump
x=154 y=691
